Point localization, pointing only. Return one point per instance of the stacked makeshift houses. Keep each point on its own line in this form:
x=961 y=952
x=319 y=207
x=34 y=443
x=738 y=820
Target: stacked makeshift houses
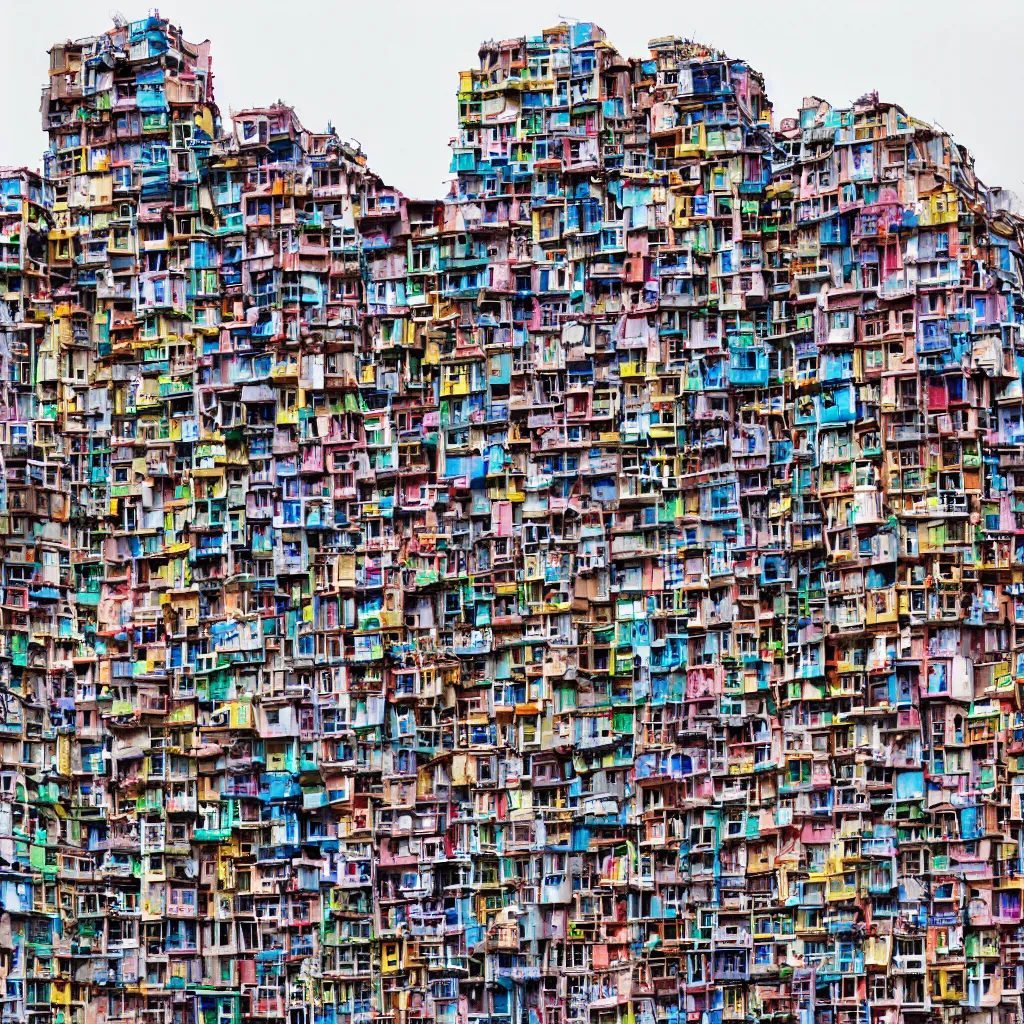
x=589 y=599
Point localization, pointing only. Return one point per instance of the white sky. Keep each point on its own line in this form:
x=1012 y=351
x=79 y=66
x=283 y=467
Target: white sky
x=385 y=72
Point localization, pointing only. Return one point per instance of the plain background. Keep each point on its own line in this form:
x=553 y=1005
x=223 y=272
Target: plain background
x=385 y=72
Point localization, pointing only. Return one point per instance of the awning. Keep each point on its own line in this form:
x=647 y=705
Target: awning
x=207 y=750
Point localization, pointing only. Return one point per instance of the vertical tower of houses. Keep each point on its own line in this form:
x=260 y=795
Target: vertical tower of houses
x=591 y=598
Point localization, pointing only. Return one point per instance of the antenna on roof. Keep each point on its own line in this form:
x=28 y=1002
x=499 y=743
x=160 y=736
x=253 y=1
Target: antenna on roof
x=567 y=19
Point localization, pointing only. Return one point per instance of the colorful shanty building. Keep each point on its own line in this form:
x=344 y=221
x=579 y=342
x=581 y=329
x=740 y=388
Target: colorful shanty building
x=590 y=598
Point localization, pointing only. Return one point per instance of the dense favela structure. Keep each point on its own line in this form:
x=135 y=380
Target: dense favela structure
x=588 y=599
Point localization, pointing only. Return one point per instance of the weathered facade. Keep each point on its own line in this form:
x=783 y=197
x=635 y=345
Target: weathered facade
x=591 y=597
